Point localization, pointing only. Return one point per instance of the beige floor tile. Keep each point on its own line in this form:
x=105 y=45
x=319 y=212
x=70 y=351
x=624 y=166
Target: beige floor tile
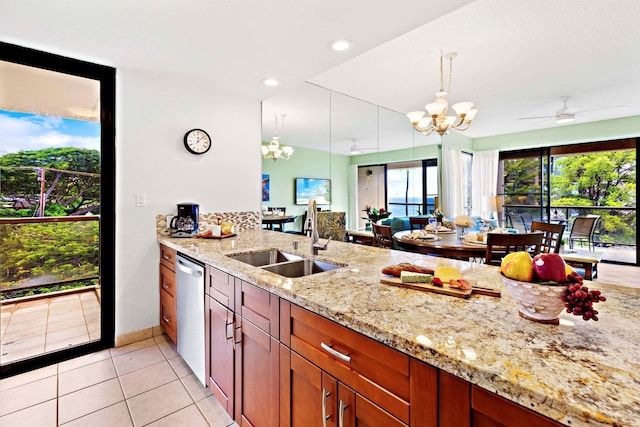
x=132 y=347
x=17 y=324
x=180 y=367
x=85 y=376
x=30 y=312
x=40 y=415
x=22 y=354
x=112 y=416
x=69 y=342
x=63 y=334
x=214 y=413
x=56 y=323
x=167 y=346
x=84 y=360
x=91 y=318
x=11 y=345
x=61 y=317
x=28 y=377
x=94 y=336
x=65 y=298
x=32 y=303
x=138 y=359
x=195 y=388
x=148 y=378
x=59 y=309
x=189 y=416
x=91 y=310
x=83 y=402
x=27 y=395
x=159 y=402
x=25 y=333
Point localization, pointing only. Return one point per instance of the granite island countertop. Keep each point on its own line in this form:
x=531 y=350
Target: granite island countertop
x=577 y=373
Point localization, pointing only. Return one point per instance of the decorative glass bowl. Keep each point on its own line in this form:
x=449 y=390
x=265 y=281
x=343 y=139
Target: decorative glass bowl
x=537 y=302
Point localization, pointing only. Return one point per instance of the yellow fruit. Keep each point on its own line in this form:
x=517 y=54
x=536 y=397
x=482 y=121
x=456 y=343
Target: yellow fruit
x=506 y=259
x=447 y=273
x=568 y=269
x=519 y=267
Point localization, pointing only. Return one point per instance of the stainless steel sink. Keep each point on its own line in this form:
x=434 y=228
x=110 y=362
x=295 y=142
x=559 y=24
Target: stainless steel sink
x=267 y=257
x=302 y=267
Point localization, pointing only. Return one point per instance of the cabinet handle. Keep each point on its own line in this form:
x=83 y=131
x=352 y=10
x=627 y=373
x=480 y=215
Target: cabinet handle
x=167 y=257
x=166 y=319
x=343 y=406
x=335 y=353
x=165 y=286
x=325 y=417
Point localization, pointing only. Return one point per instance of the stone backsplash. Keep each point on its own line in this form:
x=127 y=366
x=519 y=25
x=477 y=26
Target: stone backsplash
x=242 y=220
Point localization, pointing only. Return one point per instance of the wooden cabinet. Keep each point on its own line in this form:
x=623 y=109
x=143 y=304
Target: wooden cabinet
x=364 y=381
x=242 y=357
x=168 y=314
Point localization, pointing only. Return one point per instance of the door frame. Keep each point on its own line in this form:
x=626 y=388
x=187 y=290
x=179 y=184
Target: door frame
x=107 y=78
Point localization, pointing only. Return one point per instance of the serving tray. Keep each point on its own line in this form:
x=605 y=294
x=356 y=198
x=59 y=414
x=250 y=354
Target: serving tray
x=224 y=236
x=444 y=290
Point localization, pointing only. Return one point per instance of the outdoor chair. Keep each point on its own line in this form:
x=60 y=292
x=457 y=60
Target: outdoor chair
x=582 y=230
x=499 y=245
x=516 y=222
x=418 y=222
x=382 y=236
x=552 y=235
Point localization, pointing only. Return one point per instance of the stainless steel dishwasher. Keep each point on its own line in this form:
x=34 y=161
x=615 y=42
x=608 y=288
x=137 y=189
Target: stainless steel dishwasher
x=190 y=307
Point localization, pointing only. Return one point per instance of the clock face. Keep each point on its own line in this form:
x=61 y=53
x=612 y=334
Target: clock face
x=197 y=141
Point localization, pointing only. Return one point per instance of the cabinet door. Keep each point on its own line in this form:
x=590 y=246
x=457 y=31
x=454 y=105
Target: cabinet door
x=219 y=337
x=491 y=410
x=168 y=317
x=257 y=377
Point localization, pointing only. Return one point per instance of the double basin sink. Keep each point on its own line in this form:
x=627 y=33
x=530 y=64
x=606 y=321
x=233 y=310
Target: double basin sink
x=283 y=263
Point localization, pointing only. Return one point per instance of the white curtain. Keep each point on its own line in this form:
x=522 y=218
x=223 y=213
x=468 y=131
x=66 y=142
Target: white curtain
x=452 y=182
x=484 y=175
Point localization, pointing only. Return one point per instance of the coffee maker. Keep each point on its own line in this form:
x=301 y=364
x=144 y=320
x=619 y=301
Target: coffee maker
x=185 y=224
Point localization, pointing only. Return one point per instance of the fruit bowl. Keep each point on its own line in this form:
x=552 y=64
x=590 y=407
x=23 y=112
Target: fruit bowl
x=536 y=301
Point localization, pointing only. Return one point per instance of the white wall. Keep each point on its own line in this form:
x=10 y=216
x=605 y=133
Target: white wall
x=152 y=115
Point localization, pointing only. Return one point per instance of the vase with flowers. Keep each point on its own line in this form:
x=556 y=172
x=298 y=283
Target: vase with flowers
x=439 y=215
x=374 y=214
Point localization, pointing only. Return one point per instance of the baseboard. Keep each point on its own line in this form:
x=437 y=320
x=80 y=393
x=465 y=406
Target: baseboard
x=143 y=334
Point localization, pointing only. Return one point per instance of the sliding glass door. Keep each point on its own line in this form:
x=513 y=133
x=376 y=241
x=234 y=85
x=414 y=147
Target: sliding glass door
x=57 y=213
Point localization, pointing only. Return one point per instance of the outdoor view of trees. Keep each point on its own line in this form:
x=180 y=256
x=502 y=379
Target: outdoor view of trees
x=604 y=179
x=47 y=253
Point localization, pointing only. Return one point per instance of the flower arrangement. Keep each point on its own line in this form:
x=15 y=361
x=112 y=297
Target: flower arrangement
x=374 y=214
x=437 y=212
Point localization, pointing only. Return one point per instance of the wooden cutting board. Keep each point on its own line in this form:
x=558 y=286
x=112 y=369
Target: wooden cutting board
x=445 y=290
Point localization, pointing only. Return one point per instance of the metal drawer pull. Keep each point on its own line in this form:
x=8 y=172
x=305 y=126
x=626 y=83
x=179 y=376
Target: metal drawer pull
x=341 y=413
x=335 y=353
x=325 y=417
x=166 y=319
x=165 y=286
x=167 y=257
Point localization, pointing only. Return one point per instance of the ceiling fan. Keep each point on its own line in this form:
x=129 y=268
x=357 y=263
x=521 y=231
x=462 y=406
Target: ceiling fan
x=563 y=115
x=356 y=149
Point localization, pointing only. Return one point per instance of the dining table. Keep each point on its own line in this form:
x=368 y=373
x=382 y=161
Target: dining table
x=271 y=220
x=446 y=244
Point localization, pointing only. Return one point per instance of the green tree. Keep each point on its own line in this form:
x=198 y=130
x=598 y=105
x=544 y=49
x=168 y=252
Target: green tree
x=72 y=186
x=521 y=181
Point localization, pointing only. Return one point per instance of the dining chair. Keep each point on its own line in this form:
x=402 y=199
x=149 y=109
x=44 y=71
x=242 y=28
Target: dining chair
x=272 y=210
x=582 y=230
x=418 y=222
x=382 y=236
x=552 y=235
x=501 y=244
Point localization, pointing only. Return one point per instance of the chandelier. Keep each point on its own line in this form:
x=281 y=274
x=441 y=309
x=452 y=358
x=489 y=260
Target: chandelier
x=436 y=118
x=273 y=150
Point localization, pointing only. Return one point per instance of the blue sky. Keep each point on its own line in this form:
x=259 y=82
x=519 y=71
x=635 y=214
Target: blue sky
x=24 y=131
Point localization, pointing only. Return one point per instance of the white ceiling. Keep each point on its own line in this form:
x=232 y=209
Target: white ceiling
x=516 y=57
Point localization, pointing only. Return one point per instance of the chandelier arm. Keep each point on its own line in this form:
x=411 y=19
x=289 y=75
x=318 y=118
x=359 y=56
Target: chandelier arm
x=442 y=74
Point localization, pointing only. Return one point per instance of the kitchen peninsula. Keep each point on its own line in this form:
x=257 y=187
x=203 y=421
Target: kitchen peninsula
x=576 y=373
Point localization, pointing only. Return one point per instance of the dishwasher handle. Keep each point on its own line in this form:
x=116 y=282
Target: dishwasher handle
x=188 y=270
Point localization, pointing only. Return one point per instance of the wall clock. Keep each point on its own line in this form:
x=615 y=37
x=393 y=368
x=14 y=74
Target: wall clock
x=197 y=141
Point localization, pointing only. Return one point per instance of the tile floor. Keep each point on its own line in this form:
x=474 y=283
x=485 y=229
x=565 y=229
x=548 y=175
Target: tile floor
x=33 y=327
x=144 y=383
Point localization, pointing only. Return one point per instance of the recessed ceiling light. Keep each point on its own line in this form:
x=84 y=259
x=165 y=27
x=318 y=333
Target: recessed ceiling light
x=341 y=45
x=270 y=82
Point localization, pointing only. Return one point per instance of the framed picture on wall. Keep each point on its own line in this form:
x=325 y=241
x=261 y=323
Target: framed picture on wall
x=313 y=188
x=265 y=188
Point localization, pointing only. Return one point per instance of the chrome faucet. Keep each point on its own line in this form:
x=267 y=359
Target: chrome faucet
x=311 y=227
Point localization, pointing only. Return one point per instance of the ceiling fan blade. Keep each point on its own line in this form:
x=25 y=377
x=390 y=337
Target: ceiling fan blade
x=600 y=109
x=541 y=117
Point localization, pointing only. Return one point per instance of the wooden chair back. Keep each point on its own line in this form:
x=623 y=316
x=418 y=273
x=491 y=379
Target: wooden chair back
x=499 y=245
x=382 y=236
x=418 y=222
x=582 y=230
x=552 y=235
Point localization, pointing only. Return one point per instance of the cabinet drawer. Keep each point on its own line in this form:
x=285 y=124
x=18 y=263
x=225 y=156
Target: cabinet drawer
x=168 y=318
x=167 y=280
x=168 y=257
x=259 y=307
x=220 y=287
x=372 y=369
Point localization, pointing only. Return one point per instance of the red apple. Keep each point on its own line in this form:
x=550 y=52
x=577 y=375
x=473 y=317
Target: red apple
x=550 y=267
